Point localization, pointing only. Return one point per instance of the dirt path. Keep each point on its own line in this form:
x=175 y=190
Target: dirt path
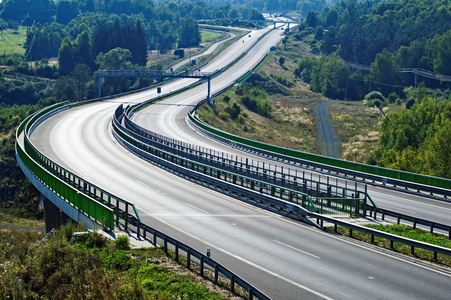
x=326 y=133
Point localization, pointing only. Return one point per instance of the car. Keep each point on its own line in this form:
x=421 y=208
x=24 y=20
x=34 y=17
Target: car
x=249 y=35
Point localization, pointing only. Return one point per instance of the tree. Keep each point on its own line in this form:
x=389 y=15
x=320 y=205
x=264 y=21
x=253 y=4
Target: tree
x=115 y=59
x=81 y=75
x=440 y=51
x=64 y=88
x=66 y=11
x=189 y=33
x=66 y=57
x=83 y=51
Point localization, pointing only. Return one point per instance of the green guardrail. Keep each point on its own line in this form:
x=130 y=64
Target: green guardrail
x=363 y=168
x=320 y=204
x=82 y=195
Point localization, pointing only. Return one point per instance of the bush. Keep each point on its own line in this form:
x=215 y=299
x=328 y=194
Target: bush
x=122 y=242
x=392 y=97
x=375 y=95
x=224 y=116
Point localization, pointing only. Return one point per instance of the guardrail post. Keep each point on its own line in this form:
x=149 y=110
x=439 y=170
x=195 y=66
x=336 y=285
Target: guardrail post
x=216 y=273
x=232 y=284
x=188 y=259
x=202 y=266
x=177 y=252
x=126 y=216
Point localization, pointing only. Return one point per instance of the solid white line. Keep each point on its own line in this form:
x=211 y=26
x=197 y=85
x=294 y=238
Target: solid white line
x=299 y=250
x=199 y=209
x=248 y=262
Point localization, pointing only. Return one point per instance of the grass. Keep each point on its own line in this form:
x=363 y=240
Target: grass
x=292 y=124
x=37 y=266
x=408 y=232
x=207 y=36
x=357 y=126
x=12 y=41
x=9 y=219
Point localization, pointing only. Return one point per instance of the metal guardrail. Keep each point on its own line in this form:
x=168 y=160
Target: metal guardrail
x=294 y=210
x=429 y=184
x=373 y=212
x=391 y=237
x=278 y=176
x=296 y=191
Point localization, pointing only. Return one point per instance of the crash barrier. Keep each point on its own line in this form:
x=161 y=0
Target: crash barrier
x=391 y=237
x=373 y=212
x=416 y=182
x=323 y=197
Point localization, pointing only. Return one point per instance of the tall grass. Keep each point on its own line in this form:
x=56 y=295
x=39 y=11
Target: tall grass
x=37 y=266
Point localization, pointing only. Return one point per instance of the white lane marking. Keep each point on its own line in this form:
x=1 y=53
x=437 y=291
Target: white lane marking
x=299 y=250
x=402 y=209
x=248 y=262
x=110 y=166
x=409 y=200
x=140 y=182
x=209 y=215
x=199 y=209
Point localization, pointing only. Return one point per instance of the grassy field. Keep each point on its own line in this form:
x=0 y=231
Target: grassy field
x=408 y=232
x=12 y=41
x=207 y=36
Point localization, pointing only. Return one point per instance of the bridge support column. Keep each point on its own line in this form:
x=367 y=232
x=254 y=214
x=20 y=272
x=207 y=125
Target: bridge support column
x=53 y=216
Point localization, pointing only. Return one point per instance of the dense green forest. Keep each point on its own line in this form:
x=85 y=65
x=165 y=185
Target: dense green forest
x=387 y=35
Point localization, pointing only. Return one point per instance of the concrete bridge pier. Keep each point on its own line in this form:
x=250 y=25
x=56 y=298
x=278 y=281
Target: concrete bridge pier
x=53 y=216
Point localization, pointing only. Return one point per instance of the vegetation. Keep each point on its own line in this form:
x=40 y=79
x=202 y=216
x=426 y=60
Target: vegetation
x=417 y=139
x=408 y=232
x=37 y=266
x=276 y=109
x=388 y=35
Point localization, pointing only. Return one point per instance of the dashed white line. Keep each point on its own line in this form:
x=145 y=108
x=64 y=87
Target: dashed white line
x=299 y=250
x=197 y=208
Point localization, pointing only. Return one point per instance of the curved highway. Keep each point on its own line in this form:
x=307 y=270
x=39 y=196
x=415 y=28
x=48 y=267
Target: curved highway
x=284 y=259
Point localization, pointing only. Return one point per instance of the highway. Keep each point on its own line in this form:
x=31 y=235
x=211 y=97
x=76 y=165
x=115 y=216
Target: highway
x=284 y=259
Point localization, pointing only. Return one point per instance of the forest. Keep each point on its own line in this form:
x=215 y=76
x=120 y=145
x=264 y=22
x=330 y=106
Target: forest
x=391 y=37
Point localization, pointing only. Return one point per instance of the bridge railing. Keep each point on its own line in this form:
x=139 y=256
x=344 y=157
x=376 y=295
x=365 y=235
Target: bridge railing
x=429 y=184
x=84 y=196
x=323 y=198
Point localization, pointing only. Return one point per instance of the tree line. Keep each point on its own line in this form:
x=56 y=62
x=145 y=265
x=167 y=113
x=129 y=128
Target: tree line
x=386 y=35
x=417 y=139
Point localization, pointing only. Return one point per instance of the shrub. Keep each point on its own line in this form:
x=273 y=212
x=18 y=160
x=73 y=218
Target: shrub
x=233 y=110
x=375 y=95
x=122 y=242
x=224 y=116
x=392 y=97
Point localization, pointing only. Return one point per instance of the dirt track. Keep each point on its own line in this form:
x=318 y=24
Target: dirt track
x=326 y=134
